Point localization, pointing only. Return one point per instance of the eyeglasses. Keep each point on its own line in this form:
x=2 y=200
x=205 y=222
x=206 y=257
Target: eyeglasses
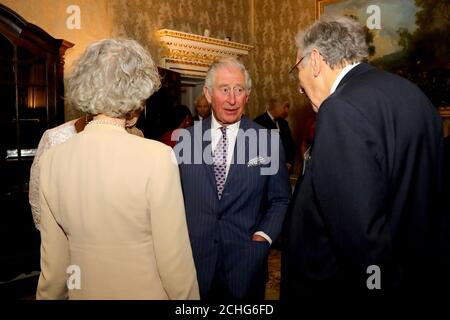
x=226 y=91
x=297 y=63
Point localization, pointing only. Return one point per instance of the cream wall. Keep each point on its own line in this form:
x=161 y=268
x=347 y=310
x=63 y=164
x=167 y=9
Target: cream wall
x=51 y=16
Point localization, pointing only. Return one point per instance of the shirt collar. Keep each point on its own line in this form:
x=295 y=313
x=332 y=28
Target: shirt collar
x=215 y=125
x=341 y=75
x=271 y=116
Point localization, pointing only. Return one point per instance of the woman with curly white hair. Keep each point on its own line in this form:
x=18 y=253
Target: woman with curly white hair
x=112 y=215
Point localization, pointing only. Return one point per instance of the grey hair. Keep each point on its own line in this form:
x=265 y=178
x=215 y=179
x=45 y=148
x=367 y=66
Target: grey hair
x=112 y=77
x=340 y=40
x=223 y=63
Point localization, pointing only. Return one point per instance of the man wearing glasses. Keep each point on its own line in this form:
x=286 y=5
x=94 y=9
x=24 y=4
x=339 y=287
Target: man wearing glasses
x=234 y=207
x=364 y=215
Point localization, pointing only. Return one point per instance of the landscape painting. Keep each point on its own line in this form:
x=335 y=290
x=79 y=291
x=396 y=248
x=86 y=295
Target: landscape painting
x=407 y=37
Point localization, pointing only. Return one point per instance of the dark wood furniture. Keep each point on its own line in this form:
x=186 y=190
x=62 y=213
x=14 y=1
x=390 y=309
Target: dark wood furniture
x=31 y=101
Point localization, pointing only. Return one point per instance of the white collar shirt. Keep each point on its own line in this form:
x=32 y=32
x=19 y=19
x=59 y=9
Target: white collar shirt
x=341 y=75
x=216 y=134
x=273 y=119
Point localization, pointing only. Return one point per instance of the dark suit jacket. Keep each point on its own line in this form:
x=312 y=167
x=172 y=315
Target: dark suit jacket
x=369 y=194
x=447 y=169
x=220 y=230
x=285 y=134
x=444 y=245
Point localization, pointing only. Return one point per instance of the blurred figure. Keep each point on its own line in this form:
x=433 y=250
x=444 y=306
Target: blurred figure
x=202 y=107
x=50 y=138
x=111 y=203
x=180 y=118
x=275 y=118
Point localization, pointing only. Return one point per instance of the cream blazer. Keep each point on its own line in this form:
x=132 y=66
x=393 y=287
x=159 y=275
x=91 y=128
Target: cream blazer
x=113 y=223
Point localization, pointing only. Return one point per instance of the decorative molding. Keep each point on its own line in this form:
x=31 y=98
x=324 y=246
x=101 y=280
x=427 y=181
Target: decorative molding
x=191 y=54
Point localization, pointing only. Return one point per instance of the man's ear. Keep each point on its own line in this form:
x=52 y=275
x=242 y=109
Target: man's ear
x=316 y=62
x=207 y=95
x=247 y=97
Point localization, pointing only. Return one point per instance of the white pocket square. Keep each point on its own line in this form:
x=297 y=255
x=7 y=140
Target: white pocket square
x=256 y=161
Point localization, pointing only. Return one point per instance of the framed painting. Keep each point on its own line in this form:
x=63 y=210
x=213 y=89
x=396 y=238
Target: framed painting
x=445 y=115
x=402 y=40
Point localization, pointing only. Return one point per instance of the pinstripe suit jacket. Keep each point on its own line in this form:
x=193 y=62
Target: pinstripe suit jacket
x=221 y=230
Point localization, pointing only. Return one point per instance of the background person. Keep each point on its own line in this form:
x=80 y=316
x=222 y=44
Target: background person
x=275 y=118
x=180 y=118
x=202 y=107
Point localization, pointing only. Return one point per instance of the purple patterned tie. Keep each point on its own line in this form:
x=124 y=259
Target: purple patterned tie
x=220 y=162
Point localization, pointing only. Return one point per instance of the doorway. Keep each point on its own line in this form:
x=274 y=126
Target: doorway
x=191 y=88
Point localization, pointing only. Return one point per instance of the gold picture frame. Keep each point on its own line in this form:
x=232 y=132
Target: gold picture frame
x=320 y=5
x=390 y=55
x=444 y=112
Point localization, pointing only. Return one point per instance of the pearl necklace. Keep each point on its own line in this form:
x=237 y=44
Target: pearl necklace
x=117 y=123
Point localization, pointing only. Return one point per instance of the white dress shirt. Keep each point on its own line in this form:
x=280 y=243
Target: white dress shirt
x=273 y=119
x=216 y=134
x=232 y=131
x=341 y=75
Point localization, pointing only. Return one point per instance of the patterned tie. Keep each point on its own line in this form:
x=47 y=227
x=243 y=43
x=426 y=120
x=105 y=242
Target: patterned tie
x=220 y=162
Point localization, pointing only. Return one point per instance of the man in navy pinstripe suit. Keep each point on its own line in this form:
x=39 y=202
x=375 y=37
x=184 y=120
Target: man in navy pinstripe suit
x=236 y=196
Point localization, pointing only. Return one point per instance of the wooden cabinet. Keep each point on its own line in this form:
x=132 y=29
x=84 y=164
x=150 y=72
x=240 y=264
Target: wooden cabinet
x=31 y=101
